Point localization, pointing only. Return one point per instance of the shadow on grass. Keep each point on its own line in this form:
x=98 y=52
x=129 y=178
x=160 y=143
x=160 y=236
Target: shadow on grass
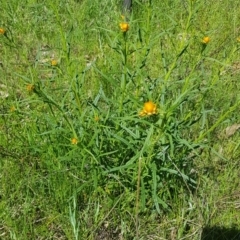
x=220 y=233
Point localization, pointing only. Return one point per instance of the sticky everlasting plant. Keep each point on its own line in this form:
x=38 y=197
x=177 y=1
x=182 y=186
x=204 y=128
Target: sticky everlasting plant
x=116 y=129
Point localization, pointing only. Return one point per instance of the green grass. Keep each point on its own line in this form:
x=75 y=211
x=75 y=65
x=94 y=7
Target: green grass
x=76 y=159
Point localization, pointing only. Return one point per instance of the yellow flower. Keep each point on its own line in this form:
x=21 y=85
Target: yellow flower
x=96 y=118
x=12 y=109
x=238 y=39
x=149 y=108
x=54 y=62
x=206 y=40
x=2 y=31
x=124 y=26
x=30 y=87
x=74 y=141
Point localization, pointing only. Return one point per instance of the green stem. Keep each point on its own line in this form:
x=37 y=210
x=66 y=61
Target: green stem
x=137 y=197
x=50 y=102
x=124 y=76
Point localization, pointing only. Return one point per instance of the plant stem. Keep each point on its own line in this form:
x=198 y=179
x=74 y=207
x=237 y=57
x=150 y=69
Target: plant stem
x=124 y=76
x=137 y=197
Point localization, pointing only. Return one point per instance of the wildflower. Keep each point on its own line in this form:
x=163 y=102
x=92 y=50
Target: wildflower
x=2 y=31
x=74 y=141
x=206 y=40
x=30 y=87
x=124 y=26
x=54 y=62
x=238 y=39
x=107 y=190
x=149 y=108
x=96 y=118
x=12 y=109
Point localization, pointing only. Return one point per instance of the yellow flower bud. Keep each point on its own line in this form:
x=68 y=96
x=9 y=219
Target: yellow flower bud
x=124 y=26
x=206 y=40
